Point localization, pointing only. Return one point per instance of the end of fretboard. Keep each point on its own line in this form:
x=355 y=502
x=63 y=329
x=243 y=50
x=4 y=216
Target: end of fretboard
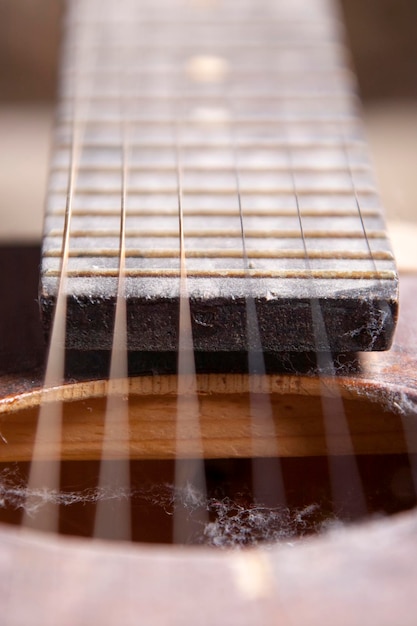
x=221 y=161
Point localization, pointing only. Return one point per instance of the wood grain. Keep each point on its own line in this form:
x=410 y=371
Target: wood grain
x=228 y=421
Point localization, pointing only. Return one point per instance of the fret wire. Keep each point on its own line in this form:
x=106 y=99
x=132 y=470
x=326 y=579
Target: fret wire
x=381 y=255
x=184 y=46
x=227 y=191
x=231 y=273
x=254 y=71
x=159 y=212
x=232 y=20
x=219 y=169
x=278 y=121
x=228 y=19
x=225 y=233
x=342 y=96
x=242 y=145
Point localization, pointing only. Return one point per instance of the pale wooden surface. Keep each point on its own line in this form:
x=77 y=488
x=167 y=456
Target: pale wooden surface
x=365 y=575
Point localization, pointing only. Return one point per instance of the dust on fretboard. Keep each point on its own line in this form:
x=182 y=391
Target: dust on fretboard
x=239 y=121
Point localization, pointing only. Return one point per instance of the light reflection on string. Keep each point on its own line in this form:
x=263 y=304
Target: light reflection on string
x=348 y=495
x=189 y=473
x=268 y=487
x=113 y=516
x=45 y=474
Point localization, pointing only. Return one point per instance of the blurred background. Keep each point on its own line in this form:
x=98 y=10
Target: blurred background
x=383 y=39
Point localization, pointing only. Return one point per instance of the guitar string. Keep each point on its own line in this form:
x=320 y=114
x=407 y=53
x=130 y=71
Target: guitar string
x=267 y=486
x=113 y=516
x=44 y=475
x=348 y=496
x=384 y=309
x=190 y=480
x=357 y=203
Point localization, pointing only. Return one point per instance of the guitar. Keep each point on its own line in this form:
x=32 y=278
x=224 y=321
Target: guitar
x=105 y=582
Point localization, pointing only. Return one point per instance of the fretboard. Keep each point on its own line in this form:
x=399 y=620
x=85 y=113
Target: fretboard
x=228 y=131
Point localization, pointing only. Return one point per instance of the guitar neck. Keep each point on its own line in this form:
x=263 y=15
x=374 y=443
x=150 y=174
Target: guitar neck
x=215 y=145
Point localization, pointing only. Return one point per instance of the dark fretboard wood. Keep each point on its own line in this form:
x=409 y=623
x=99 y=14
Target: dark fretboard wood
x=242 y=116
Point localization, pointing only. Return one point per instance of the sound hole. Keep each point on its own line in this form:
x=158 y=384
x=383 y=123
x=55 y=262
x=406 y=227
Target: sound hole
x=235 y=517
x=241 y=506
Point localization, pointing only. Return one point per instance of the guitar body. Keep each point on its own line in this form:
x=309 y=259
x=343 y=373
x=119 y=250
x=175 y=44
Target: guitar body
x=364 y=573
x=364 y=407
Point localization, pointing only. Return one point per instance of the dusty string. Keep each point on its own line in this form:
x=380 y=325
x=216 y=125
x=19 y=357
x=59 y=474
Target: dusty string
x=113 y=517
x=45 y=466
x=268 y=487
x=189 y=462
x=385 y=312
x=346 y=485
